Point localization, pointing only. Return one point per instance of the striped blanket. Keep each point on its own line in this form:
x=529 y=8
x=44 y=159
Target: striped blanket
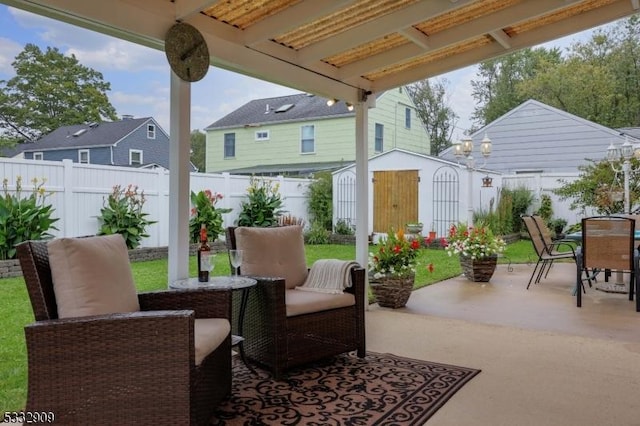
x=329 y=276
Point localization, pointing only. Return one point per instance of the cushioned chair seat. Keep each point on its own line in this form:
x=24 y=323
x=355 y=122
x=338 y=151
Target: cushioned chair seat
x=208 y=334
x=300 y=302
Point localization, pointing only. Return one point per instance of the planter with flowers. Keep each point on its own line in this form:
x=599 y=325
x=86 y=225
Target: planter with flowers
x=392 y=269
x=478 y=249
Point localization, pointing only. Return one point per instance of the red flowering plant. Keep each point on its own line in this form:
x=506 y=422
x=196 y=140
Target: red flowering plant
x=475 y=242
x=395 y=256
x=204 y=212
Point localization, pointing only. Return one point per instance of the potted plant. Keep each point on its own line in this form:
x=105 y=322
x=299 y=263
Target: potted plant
x=557 y=225
x=432 y=232
x=478 y=249
x=414 y=228
x=392 y=269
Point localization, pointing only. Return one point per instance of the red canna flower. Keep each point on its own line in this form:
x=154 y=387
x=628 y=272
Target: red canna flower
x=397 y=249
x=415 y=244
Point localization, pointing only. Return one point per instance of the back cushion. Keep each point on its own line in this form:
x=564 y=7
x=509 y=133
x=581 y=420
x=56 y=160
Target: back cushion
x=273 y=252
x=92 y=276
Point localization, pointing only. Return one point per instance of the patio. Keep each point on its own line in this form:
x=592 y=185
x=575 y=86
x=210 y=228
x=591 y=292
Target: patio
x=543 y=360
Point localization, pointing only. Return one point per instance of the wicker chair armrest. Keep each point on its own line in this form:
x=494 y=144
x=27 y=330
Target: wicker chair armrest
x=207 y=303
x=120 y=360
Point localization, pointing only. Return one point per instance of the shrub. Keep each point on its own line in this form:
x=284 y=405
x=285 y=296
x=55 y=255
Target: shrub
x=122 y=214
x=317 y=234
x=343 y=228
x=204 y=212
x=320 y=199
x=263 y=205
x=23 y=219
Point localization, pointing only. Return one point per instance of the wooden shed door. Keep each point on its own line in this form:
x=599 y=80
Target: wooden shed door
x=395 y=199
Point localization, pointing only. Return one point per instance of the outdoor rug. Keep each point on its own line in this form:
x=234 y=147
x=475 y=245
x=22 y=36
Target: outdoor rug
x=380 y=389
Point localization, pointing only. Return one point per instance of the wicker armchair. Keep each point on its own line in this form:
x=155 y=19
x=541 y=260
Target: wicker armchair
x=123 y=368
x=278 y=339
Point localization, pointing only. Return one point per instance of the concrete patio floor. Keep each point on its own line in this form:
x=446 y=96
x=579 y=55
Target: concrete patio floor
x=543 y=360
x=549 y=305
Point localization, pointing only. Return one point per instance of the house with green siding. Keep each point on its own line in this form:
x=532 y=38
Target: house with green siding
x=301 y=134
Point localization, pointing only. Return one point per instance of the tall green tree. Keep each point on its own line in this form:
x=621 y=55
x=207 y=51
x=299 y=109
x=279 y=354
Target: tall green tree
x=496 y=90
x=50 y=90
x=198 y=149
x=432 y=106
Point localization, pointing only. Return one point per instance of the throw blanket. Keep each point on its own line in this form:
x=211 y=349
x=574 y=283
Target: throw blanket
x=329 y=276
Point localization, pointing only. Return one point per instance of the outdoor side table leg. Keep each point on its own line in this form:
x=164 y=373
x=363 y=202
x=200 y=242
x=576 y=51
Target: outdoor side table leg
x=243 y=307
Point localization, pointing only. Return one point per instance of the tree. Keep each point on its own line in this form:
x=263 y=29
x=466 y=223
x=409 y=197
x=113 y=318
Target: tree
x=432 y=107
x=50 y=90
x=496 y=91
x=198 y=148
x=595 y=186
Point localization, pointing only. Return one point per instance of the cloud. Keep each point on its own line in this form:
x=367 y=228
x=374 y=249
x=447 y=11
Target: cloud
x=9 y=49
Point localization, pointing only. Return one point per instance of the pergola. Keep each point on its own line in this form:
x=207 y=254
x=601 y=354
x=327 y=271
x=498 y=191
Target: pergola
x=339 y=49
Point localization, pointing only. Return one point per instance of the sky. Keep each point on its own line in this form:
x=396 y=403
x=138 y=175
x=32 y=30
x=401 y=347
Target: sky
x=140 y=76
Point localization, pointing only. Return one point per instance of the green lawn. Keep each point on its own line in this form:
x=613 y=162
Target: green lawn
x=151 y=275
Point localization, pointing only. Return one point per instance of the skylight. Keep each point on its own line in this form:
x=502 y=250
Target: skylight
x=284 y=108
x=79 y=132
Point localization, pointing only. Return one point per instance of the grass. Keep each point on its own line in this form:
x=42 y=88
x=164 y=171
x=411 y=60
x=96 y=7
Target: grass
x=152 y=275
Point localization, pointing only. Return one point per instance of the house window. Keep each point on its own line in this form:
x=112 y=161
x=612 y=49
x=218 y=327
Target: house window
x=151 y=131
x=83 y=156
x=407 y=118
x=379 y=137
x=38 y=156
x=262 y=135
x=229 y=145
x=135 y=157
x=307 y=142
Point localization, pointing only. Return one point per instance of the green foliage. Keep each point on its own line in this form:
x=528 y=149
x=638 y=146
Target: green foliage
x=122 y=214
x=598 y=80
x=436 y=115
x=23 y=218
x=50 y=90
x=198 y=150
x=204 y=212
x=395 y=256
x=476 y=241
x=320 y=199
x=546 y=209
x=343 y=228
x=263 y=205
x=592 y=189
x=557 y=225
x=317 y=234
x=522 y=201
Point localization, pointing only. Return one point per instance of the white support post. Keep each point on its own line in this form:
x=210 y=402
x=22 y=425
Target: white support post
x=362 y=185
x=180 y=122
x=69 y=212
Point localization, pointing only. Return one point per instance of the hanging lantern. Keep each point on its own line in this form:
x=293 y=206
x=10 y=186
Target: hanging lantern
x=487 y=181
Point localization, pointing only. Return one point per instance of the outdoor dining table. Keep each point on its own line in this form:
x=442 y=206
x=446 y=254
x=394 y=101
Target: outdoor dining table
x=619 y=286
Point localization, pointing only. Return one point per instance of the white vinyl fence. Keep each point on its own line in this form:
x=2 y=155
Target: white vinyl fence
x=78 y=191
x=544 y=184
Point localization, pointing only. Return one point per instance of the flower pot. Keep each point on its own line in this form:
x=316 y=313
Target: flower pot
x=432 y=235
x=414 y=228
x=479 y=270
x=391 y=292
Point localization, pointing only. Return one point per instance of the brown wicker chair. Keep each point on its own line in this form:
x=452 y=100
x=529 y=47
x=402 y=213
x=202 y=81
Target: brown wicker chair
x=278 y=341
x=125 y=368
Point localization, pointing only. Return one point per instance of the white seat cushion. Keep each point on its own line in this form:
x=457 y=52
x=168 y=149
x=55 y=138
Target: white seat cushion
x=208 y=334
x=300 y=302
x=92 y=276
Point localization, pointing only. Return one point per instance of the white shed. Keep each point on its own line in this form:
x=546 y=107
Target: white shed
x=407 y=187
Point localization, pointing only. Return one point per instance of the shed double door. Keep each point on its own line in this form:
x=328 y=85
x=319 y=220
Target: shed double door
x=395 y=199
